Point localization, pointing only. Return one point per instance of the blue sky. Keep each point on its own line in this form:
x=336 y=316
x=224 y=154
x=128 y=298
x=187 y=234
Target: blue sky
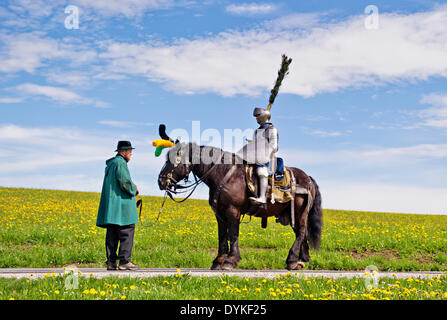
x=363 y=111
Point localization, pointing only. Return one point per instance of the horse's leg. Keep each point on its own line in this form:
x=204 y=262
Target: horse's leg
x=233 y=258
x=304 y=250
x=296 y=258
x=223 y=243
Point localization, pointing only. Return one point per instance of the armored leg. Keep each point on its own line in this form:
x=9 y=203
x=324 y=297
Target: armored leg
x=262 y=173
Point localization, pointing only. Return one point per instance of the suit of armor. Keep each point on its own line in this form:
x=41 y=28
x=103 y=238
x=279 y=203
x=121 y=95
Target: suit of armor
x=261 y=151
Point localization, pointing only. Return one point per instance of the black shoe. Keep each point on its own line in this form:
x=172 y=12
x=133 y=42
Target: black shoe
x=111 y=265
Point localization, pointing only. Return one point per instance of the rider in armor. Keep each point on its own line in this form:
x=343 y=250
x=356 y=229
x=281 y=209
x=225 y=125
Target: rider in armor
x=265 y=142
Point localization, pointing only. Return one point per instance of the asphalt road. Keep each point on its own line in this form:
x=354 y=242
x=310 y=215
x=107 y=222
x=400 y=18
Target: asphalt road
x=34 y=273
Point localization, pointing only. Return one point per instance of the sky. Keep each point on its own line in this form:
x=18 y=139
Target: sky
x=363 y=110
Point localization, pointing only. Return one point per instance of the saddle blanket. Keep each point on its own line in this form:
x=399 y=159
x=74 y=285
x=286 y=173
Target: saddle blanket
x=282 y=190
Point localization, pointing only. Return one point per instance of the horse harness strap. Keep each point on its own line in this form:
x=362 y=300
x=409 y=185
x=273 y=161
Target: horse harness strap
x=216 y=194
x=292 y=202
x=295 y=189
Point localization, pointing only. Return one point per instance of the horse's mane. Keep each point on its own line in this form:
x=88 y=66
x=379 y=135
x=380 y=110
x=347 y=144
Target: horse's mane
x=222 y=167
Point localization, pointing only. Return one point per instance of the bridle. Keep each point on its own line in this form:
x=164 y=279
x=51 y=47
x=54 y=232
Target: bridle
x=184 y=188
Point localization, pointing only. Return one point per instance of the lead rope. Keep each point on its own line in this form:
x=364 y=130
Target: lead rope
x=140 y=206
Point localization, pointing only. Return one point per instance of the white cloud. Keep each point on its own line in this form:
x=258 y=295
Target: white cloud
x=71 y=158
x=73 y=79
x=366 y=157
x=36 y=148
x=55 y=93
x=417 y=152
x=38 y=9
x=436 y=116
x=325 y=134
x=251 y=8
x=30 y=51
x=128 y=8
x=295 y=21
x=382 y=197
x=26 y=52
x=10 y=100
x=49 y=157
x=34 y=8
x=439 y=100
x=58 y=94
x=326 y=58
x=124 y=124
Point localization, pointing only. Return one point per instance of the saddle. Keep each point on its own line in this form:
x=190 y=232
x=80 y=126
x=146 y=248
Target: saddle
x=284 y=191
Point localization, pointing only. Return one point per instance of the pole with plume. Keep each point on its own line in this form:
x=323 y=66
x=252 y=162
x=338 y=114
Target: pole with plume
x=281 y=74
x=283 y=71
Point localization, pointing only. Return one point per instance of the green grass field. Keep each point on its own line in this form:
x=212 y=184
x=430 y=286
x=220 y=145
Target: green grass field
x=184 y=287
x=47 y=228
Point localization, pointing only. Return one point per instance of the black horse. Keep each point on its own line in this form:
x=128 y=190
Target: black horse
x=228 y=196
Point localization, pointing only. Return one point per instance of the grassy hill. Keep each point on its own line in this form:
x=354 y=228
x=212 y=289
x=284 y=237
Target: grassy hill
x=49 y=228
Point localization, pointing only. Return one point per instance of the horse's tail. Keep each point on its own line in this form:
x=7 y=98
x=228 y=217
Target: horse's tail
x=315 y=219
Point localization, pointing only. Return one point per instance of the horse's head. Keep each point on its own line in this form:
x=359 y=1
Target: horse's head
x=176 y=168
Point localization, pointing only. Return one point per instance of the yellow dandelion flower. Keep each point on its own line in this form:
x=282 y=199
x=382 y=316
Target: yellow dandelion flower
x=93 y=291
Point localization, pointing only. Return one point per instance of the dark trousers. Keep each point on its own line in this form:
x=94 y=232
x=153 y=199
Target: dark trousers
x=124 y=235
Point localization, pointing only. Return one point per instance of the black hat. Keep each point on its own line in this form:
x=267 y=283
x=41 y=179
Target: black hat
x=123 y=145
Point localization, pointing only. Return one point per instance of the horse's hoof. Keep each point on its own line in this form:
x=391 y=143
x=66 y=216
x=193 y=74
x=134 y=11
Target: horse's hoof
x=295 y=265
x=227 y=266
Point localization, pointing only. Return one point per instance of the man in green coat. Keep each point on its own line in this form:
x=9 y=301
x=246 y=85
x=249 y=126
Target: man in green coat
x=117 y=209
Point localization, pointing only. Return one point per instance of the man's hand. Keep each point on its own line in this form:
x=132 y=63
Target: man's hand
x=138 y=192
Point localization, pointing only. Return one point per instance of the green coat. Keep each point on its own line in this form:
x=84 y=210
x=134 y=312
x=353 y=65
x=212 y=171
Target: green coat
x=117 y=204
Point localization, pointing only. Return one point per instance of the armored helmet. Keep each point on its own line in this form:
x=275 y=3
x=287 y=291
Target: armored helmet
x=262 y=115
